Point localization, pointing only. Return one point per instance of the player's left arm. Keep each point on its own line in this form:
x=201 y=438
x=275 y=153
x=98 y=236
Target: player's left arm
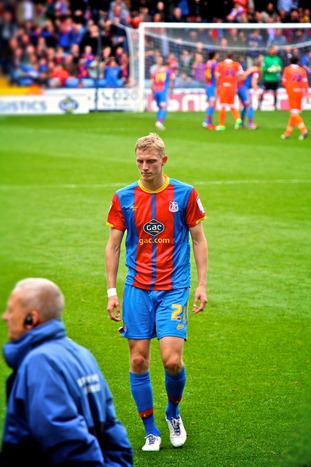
x=200 y=251
x=255 y=79
x=172 y=82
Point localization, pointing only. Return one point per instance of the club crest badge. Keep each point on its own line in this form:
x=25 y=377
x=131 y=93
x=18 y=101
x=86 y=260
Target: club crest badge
x=173 y=206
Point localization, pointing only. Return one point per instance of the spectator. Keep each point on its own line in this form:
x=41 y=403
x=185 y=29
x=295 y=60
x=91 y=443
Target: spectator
x=8 y=29
x=119 y=13
x=173 y=62
x=236 y=14
x=77 y=33
x=62 y=8
x=198 y=69
x=183 y=5
x=279 y=39
x=25 y=11
x=255 y=46
x=269 y=13
x=185 y=62
x=306 y=64
x=39 y=16
x=113 y=75
x=286 y=5
x=58 y=76
x=49 y=33
x=43 y=70
x=65 y=34
x=90 y=37
x=177 y=16
x=60 y=410
x=125 y=68
x=184 y=81
x=119 y=21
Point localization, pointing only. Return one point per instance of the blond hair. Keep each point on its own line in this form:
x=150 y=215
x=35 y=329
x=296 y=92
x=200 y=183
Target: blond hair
x=151 y=142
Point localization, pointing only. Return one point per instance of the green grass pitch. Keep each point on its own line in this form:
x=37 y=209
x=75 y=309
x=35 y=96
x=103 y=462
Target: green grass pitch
x=247 y=401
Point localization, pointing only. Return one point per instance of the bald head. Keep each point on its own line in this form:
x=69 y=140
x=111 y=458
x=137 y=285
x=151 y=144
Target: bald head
x=41 y=295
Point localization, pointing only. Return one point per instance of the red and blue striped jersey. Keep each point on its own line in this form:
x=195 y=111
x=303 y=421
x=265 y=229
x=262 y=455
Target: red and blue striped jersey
x=161 y=79
x=157 y=232
x=210 y=78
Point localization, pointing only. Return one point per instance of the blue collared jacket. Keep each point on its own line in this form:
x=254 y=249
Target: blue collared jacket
x=60 y=411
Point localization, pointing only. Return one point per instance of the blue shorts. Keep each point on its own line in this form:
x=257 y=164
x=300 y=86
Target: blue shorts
x=244 y=95
x=147 y=314
x=210 y=92
x=161 y=99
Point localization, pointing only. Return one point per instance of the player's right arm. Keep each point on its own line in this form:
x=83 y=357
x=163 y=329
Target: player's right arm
x=112 y=259
x=152 y=81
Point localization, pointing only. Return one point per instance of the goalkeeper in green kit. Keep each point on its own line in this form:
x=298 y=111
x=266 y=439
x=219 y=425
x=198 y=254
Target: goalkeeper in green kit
x=271 y=69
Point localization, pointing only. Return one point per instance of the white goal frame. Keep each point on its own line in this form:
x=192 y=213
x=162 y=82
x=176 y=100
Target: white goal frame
x=145 y=28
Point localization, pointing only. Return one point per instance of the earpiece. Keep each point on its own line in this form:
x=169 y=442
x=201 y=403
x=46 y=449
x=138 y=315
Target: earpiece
x=28 y=320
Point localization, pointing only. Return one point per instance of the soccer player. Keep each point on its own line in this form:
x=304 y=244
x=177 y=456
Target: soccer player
x=248 y=82
x=271 y=69
x=60 y=411
x=295 y=81
x=228 y=72
x=159 y=214
x=210 y=89
x=162 y=83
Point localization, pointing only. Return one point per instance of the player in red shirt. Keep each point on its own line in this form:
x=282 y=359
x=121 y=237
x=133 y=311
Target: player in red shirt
x=227 y=74
x=210 y=88
x=162 y=83
x=295 y=81
x=158 y=216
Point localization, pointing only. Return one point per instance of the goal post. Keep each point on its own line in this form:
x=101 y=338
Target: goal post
x=190 y=44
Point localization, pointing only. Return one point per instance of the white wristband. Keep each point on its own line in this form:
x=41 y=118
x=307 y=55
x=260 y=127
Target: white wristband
x=111 y=292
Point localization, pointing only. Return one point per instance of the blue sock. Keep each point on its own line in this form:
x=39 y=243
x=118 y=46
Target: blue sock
x=161 y=115
x=142 y=393
x=209 y=114
x=250 y=115
x=174 y=385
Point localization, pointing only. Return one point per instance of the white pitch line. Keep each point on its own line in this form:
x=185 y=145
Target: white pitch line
x=116 y=185
x=249 y=182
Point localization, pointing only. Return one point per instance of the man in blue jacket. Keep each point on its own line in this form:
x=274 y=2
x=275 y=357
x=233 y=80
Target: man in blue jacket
x=60 y=411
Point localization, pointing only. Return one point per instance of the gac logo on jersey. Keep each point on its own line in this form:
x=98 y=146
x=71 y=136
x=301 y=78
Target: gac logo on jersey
x=153 y=227
x=179 y=327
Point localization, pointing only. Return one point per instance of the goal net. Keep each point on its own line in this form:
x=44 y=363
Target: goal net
x=187 y=46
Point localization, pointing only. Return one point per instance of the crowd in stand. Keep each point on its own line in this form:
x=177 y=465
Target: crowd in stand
x=75 y=43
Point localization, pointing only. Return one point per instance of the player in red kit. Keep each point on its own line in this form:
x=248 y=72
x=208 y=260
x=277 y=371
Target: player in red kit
x=160 y=216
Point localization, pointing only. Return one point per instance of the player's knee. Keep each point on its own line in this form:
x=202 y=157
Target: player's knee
x=139 y=363
x=173 y=364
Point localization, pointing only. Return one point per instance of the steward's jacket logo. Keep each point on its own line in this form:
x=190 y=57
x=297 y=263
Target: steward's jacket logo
x=153 y=227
